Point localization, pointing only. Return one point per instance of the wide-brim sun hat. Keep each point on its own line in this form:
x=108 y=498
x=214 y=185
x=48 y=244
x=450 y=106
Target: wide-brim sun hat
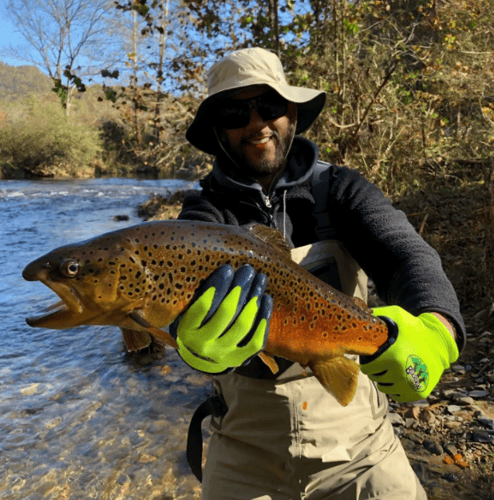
x=244 y=68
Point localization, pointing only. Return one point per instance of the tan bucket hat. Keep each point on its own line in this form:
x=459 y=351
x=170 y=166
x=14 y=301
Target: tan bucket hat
x=243 y=68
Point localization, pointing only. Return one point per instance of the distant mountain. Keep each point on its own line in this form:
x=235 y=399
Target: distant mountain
x=16 y=81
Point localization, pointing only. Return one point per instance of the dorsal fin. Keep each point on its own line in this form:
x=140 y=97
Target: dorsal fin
x=268 y=235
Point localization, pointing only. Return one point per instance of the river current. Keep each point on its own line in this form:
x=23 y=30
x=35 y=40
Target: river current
x=79 y=417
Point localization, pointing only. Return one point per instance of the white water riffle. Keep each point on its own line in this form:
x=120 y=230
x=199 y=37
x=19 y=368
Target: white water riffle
x=79 y=417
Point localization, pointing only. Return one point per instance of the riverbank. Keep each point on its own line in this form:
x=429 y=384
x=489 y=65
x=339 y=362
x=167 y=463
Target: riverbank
x=449 y=437
x=97 y=169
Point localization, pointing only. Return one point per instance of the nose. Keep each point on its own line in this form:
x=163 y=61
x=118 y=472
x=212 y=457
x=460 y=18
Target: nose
x=255 y=119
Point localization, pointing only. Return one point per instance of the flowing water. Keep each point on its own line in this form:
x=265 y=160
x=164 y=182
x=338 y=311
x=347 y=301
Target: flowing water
x=79 y=417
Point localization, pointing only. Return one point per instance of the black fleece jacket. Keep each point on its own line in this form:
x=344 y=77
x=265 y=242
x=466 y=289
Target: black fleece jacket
x=404 y=268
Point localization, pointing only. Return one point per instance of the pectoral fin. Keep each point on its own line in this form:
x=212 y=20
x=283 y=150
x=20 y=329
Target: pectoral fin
x=134 y=340
x=270 y=362
x=339 y=376
x=155 y=332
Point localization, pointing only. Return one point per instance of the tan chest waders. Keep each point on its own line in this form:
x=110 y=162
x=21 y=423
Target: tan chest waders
x=288 y=439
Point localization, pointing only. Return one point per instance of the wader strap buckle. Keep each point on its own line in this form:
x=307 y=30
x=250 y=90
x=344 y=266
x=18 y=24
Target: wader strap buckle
x=214 y=405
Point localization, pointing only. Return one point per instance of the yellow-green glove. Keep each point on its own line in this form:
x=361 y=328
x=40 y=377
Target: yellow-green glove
x=409 y=365
x=228 y=323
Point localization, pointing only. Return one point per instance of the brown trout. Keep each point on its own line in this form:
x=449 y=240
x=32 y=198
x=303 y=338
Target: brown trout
x=142 y=277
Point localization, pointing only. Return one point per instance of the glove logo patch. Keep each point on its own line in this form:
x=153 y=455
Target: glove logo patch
x=417 y=373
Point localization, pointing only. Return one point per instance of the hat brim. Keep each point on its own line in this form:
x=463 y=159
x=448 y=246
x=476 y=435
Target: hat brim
x=201 y=131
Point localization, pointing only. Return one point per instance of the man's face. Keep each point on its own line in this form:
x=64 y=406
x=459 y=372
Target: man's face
x=260 y=147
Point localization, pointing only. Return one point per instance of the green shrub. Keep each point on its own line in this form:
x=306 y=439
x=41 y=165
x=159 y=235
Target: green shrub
x=36 y=132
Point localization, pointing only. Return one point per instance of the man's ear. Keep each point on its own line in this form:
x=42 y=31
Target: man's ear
x=292 y=113
x=220 y=134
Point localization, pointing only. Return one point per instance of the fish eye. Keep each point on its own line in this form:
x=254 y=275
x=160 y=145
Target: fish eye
x=69 y=268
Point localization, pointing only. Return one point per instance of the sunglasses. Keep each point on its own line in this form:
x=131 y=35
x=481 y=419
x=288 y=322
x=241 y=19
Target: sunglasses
x=235 y=113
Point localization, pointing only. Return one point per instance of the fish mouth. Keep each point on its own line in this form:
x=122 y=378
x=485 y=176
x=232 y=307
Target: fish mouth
x=67 y=312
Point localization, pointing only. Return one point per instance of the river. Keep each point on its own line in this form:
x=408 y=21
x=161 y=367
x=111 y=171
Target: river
x=79 y=417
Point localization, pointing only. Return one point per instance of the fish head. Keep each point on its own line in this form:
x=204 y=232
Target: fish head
x=99 y=282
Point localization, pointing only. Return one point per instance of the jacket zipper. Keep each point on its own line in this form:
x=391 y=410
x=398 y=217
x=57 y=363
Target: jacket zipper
x=267 y=201
x=269 y=212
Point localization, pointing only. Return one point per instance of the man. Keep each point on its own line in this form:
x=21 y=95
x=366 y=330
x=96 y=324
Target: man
x=283 y=437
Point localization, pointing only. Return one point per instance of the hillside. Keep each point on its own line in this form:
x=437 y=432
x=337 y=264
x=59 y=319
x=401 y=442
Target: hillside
x=16 y=81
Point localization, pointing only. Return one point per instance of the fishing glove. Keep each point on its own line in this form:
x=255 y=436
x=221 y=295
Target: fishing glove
x=227 y=323
x=409 y=365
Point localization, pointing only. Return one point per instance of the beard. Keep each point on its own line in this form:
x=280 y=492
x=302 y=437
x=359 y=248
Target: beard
x=251 y=167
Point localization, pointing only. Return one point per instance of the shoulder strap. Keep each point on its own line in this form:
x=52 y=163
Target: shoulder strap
x=214 y=405
x=320 y=185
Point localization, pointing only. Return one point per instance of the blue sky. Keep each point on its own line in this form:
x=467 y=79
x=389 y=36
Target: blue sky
x=8 y=36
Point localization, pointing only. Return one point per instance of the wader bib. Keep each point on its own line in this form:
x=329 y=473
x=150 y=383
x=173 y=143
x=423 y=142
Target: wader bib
x=288 y=439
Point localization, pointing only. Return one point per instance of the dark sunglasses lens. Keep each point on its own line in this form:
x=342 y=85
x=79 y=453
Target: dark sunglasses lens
x=271 y=109
x=236 y=114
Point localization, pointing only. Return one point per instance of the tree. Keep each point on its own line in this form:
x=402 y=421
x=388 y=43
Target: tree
x=65 y=36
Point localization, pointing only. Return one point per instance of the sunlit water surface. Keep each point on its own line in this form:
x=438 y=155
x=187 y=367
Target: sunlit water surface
x=79 y=418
